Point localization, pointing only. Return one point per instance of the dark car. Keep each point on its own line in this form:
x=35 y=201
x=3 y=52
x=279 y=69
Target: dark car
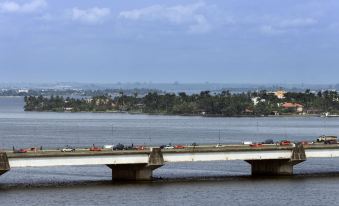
x=130 y=147
x=330 y=142
x=268 y=141
x=194 y=144
x=119 y=147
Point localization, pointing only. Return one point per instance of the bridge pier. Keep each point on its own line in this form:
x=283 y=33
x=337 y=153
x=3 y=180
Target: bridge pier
x=138 y=172
x=271 y=167
x=4 y=164
x=278 y=166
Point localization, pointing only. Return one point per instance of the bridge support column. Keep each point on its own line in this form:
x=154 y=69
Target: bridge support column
x=138 y=172
x=278 y=166
x=271 y=167
x=4 y=164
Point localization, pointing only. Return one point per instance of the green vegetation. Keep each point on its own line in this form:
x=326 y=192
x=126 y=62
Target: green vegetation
x=205 y=103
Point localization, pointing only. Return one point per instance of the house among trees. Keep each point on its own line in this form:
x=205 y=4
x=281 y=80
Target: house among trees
x=293 y=107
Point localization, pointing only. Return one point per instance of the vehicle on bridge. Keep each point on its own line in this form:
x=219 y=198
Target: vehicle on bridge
x=108 y=147
x=285 y=142
x=68 y=149
x=141 y=147
x=256 y=145
x=95 y=149
x=268 y=141
x=32 y=149
x=20 y=151
x=169 y=146
x=324 y=138
x=119 y=147
x=331 y=141
x=179 y=146
x=194 y=144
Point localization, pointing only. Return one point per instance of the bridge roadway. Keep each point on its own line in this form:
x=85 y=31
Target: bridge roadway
x=139 y=164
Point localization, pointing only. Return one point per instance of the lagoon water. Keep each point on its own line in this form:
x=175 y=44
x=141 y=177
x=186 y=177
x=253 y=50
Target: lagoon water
x=213 y=183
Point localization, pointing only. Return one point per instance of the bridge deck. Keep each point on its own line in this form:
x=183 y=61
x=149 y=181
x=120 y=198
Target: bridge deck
x=188 y=154
x=189 y=149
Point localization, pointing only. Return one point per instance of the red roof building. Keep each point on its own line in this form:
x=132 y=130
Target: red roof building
x=296 y=106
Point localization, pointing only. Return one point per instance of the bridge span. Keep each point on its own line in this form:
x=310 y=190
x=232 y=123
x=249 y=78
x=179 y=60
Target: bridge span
x=139 y=164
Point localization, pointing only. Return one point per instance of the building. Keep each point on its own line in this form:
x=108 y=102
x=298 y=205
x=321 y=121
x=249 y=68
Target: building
x=23 y=91
x=256 y=100
x=280 y=94
x=293 y=106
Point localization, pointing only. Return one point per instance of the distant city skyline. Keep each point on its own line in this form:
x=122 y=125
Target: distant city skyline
x=192 y=41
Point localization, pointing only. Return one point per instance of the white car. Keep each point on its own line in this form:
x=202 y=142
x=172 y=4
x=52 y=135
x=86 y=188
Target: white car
x=67 y=149
x=108 y=146
x=168 y=147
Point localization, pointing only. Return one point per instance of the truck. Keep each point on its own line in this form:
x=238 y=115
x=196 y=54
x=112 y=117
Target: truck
x=325 y=138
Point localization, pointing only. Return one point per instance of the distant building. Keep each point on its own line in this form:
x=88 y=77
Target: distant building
x=23 y=91
x=275 y=113
x=256 y=100
x=88 y=100
x=280 y=94
x=294 y=106
x=68 y=109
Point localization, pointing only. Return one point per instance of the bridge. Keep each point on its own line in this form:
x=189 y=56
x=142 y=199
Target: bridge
x=139 y=164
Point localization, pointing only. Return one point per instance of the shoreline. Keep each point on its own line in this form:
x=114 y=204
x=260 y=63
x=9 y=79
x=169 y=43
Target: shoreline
x=190 y=115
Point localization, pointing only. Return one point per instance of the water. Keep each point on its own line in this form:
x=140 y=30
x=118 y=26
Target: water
x=210 y=183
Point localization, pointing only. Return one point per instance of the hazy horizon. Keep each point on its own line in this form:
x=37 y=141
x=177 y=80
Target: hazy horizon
x=170 y=87
x=168 y=82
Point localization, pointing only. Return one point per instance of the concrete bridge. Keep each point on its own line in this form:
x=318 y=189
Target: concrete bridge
x=139 y=164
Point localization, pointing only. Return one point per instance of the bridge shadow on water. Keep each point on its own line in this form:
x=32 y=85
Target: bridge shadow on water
x=159 y=181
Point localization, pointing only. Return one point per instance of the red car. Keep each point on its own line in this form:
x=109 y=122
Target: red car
x=20 y=151
x=179 y=147
x=95 y=149
x=285 y=143
x=256 y=145
x=140 y=148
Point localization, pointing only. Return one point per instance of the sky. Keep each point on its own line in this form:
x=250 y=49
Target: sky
x=191 y=41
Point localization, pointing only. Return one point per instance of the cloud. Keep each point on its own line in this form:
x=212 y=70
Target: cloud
x=298 y=22
x=268 y=29
x=13 y=7
x=190 y=15
x=93 y=15
x=283 y=26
